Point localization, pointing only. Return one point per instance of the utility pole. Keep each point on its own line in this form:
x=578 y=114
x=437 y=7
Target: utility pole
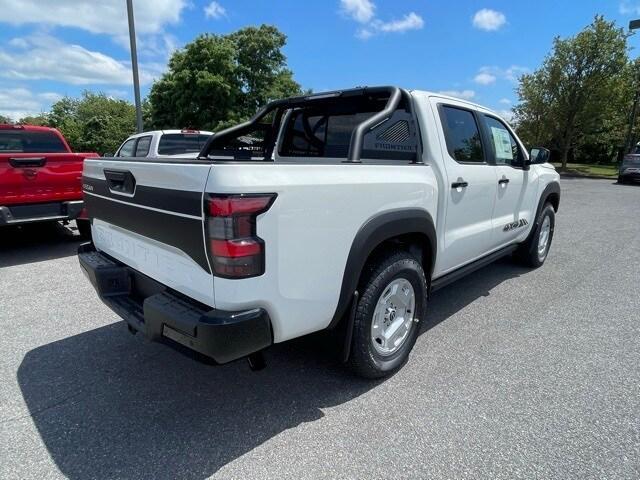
x=633 y=25
x=134 y=66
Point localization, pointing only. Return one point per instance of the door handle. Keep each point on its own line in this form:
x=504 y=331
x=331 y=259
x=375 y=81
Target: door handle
x=503 y=180
x=26 y=162
x=119 y=181
x=459 y=184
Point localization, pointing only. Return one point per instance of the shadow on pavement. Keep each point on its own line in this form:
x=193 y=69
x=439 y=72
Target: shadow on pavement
x=37 y=242
x=107 y=404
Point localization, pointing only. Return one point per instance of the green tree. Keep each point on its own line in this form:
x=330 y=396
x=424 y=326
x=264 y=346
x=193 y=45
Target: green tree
x=4 y=119
x=580 y=93
x=41 y=119
x=94 y=122
x=220 y=79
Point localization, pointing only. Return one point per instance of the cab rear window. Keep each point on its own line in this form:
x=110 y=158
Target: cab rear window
x=21 y=141
x=179 y=143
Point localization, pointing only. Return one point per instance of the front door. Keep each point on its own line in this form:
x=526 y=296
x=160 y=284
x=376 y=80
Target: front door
x=515 y=199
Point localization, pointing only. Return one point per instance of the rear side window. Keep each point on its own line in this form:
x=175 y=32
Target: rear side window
x=462 y=135
x=326 y=132
x=126 y=150
x=21 y=141
x=142 y=148
x=179 y=143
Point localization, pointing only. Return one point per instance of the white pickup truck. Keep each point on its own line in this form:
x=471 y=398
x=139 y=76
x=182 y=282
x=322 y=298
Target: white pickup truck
x=340 y=210
x=185 y=143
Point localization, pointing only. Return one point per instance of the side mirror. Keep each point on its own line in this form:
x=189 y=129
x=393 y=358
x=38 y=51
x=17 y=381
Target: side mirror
x=108 y=155
x=539 y=155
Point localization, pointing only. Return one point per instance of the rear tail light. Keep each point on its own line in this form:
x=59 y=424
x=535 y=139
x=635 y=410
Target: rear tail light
x=235 y=249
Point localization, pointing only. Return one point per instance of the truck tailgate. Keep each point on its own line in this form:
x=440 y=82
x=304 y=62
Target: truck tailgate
x=149 y=216
x=40 y=177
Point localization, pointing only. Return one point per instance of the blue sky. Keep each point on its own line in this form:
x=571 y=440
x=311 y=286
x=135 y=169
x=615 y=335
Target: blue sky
x=470 y=48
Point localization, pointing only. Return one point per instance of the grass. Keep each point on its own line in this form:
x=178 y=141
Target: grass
x=583 y=170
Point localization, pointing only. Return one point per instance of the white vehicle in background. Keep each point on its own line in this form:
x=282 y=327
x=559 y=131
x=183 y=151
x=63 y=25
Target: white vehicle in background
x=340 y=210
x=183 y=143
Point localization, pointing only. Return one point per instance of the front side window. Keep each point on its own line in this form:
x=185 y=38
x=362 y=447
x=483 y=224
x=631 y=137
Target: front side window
x=462 y=135
x=506 y=149
x=21 y=141
x=127 y=149
x=142 y=148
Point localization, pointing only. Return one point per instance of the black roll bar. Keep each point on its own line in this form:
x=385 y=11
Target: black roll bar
x=357 y=137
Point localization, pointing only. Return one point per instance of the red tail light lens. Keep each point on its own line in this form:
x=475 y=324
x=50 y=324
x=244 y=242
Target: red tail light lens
x=234 y=247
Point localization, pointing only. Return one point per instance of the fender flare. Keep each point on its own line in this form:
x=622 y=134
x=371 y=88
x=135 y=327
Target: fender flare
x=375 y=231
x=552 y=188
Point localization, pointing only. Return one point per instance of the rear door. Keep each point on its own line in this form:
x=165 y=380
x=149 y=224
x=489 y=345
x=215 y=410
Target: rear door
x=36 y=167
x=148 y=215
x=470 y=189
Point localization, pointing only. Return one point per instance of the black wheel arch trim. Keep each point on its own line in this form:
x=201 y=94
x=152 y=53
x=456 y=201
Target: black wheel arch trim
x=551 y=188
x=375 y=231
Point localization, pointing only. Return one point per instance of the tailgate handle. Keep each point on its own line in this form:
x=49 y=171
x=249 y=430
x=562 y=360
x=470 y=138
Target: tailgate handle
x=120 y=181
x=26 y=162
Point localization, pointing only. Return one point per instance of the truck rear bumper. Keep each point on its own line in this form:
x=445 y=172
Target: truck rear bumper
x=40 y=212
x=165 y=316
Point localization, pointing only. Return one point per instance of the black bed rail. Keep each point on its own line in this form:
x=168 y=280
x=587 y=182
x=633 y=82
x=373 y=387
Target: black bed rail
x=357 y=137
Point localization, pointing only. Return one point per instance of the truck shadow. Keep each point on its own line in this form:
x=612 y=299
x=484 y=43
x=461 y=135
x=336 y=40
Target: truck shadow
x=107 y=404
x=37 y=242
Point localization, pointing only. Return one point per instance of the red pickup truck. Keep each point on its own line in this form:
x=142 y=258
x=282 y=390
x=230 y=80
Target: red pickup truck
x=40 y=177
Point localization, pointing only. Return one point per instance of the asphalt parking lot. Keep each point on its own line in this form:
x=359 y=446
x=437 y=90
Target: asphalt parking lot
x=518 y=374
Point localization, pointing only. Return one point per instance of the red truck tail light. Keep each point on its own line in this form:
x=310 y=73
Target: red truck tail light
x=235 y=249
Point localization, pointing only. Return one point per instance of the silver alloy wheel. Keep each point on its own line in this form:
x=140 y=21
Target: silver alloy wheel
x=543 y=238
x=393 y=317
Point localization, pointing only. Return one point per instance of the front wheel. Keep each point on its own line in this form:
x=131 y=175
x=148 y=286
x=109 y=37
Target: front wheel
x=534 y=252
x=388 y=315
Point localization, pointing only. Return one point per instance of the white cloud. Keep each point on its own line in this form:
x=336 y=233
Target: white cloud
x=484 y=78
x=361 y=11
x=514 y=72
x=214 y=10
x=17 y=103
x=629 y=8
x=106 y=16
x=411 y=21
x=46 y=57
x=463 y=94
x=506 y=115
x=489 y=20
x=505 y=101
x=489 y=74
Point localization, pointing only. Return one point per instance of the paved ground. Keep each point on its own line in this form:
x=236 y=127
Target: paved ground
x=520 y=374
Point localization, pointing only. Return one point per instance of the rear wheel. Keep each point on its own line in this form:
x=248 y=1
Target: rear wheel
x=621 y=179
x=534 y=252
x=84 y=228
x=388 y=315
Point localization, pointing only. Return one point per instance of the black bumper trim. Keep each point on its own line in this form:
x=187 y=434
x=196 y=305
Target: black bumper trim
x=166 y=316
x=40 y=212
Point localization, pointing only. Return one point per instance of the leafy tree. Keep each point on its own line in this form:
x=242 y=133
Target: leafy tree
x=4 y=119
x=580 y=94
x=41 y=119
x=220 y=79
x=94 y=122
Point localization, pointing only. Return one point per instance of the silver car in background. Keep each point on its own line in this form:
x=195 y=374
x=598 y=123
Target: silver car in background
x=630 y=167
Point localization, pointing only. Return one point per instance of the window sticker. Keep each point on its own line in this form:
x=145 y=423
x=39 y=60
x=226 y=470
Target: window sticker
x=502 y=143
